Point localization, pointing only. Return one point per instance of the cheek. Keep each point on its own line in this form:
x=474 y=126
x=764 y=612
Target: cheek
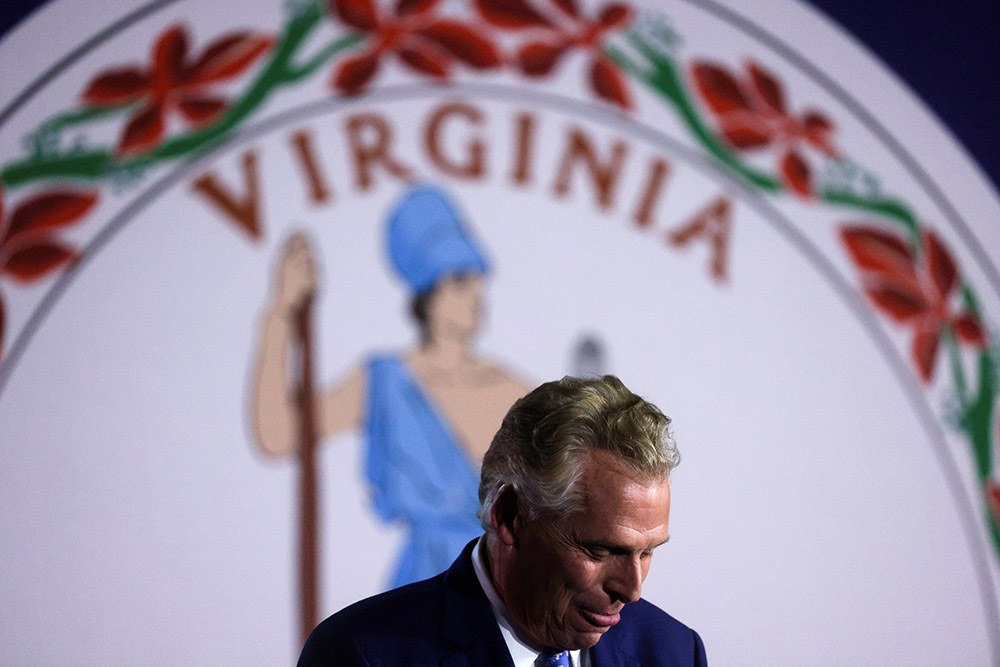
x=465 y=302
x=584 y=577
x=470 y=300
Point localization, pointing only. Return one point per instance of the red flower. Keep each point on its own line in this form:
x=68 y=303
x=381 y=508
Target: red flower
x=512 y=14
x=540 y=57
x=29 y=248
x=911 y=292
x=992 y=492
x=174 y=79
x=753 y=114
x=422 y=41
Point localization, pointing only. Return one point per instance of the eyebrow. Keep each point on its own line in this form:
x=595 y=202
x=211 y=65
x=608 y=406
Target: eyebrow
x=617 y=548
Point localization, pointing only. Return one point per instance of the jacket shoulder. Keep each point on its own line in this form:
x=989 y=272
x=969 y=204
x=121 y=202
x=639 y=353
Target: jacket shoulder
x=401 y=623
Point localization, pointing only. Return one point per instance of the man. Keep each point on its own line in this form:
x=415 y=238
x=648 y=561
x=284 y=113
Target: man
x=574 y=499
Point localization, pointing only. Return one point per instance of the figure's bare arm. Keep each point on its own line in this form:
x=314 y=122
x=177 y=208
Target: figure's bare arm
x=275 y=422
x=275 y=413
x=274 y=409
x=341 y=406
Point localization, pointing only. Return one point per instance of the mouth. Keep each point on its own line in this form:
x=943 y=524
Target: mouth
x=600 y=621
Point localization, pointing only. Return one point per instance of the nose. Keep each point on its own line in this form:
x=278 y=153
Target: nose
x=625 y=582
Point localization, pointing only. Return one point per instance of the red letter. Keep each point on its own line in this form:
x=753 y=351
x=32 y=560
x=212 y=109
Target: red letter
x=245 y=210
x=369 y=153
x=713 y=224
x=524 y=149
x=472 y=166
x=604 y=176
x=658 y=171
x=319 y=191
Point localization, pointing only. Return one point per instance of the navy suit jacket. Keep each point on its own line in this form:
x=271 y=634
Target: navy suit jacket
x=447 y=621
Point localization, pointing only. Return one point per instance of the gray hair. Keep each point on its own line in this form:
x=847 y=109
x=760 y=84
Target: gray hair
x=541 y=446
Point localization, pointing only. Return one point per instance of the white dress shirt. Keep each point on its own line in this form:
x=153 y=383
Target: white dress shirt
x=522 y=651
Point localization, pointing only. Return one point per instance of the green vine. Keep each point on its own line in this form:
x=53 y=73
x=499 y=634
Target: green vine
x=95 y=164
x=46 y=139
x=887 y=208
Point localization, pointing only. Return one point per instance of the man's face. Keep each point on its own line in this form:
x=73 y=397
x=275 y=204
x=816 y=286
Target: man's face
x=571 y=576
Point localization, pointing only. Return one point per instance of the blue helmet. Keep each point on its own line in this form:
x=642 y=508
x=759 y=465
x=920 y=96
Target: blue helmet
x=428 y=240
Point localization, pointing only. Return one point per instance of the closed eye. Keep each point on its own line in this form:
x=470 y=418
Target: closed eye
x=596 y=553
x=599 y=551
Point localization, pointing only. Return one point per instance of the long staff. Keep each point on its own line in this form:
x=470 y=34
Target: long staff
x=308 y=480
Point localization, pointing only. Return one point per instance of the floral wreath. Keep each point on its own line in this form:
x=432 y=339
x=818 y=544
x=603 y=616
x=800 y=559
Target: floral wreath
x=173 y=108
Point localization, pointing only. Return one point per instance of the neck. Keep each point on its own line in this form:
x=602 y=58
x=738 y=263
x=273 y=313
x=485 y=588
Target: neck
x=496 y=561
x=446 y=352
x=496 y=565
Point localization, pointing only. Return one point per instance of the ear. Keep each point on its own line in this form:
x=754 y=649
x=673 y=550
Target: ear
x=504 y=515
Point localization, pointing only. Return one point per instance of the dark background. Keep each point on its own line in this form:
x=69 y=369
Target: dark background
x=949 y=53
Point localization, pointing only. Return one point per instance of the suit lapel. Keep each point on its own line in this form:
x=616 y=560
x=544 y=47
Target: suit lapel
x=468 y=620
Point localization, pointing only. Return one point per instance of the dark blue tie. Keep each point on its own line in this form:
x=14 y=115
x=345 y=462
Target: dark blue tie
x=553 y=659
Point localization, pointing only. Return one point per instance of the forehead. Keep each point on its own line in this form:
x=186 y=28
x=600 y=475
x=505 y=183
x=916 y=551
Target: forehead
x=620 y=505
x=461 y=278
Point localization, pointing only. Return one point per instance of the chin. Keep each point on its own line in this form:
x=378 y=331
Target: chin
x=584 y=636
x=582 y=640
x=590 y=639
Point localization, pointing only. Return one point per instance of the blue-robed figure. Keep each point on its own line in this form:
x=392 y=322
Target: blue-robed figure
x=427 y=413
